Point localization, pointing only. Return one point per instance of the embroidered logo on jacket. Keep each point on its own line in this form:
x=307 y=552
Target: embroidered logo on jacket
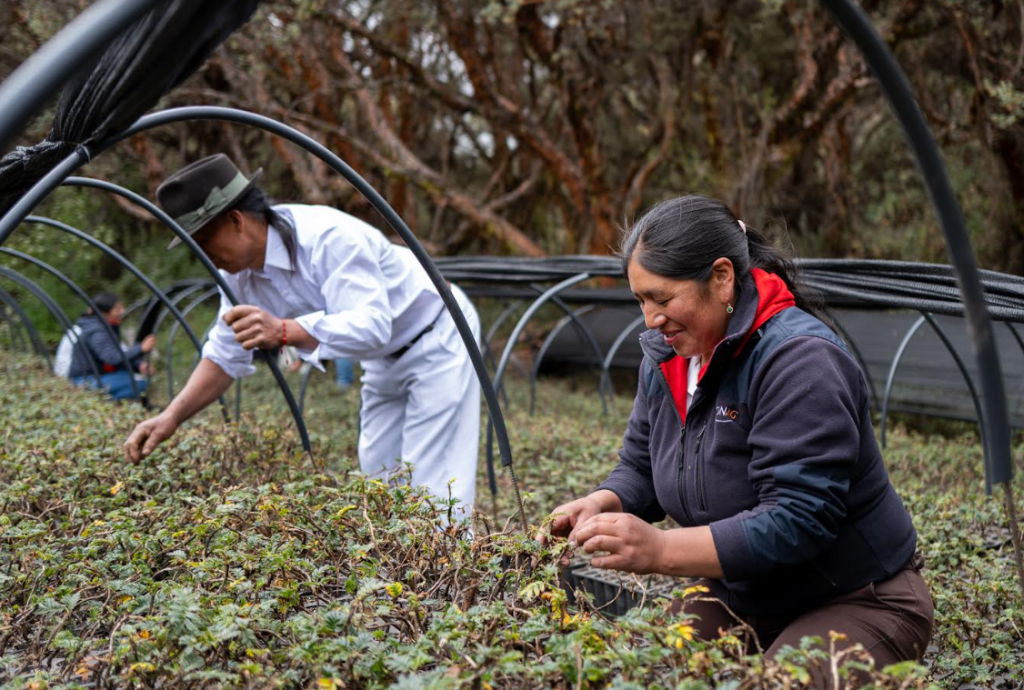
x=726 y=414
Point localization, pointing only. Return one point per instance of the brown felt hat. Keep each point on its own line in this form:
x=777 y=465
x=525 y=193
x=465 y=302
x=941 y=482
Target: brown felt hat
x=199 y=192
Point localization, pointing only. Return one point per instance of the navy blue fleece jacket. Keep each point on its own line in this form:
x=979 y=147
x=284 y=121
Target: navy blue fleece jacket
x=94 y=342
x=776 y=454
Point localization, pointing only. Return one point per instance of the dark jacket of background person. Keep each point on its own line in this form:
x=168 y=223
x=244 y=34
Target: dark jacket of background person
x=776 y=453
x=96 y=343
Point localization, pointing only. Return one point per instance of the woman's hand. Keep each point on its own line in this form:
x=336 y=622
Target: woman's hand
x=566 y=517
x=148 y=343
x=630 y=543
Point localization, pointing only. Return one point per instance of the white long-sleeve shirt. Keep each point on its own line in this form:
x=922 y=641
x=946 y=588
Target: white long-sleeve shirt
x=359 y=295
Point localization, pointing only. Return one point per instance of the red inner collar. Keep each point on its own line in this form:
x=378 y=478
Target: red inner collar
x=772 y=297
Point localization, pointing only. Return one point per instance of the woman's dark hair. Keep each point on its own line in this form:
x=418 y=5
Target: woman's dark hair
x=257 y=202
x=105 y=301
x=681 y=238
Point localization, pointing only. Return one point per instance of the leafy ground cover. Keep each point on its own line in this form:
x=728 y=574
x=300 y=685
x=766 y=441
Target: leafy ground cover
x=232 y=559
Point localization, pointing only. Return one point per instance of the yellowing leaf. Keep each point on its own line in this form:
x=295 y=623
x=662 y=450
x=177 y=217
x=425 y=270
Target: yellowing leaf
x=342 y=512
x=532 y=590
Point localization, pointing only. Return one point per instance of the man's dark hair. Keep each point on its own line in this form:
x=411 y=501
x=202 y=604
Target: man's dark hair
x=105 y=301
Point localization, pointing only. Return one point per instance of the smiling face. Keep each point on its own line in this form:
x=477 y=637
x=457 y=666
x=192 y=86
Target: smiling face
x=692 y=318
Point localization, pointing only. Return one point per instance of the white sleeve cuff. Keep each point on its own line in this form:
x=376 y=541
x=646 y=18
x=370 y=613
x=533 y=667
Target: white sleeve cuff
x=310 y=320
x=308 y=323
x=313 y=357
x=235 y=370
x=236 y=366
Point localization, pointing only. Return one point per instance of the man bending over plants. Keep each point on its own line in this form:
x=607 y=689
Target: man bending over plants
x=331 y=286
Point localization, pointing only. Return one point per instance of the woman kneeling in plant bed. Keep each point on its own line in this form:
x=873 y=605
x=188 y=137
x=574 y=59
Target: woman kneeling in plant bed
x=751 y=429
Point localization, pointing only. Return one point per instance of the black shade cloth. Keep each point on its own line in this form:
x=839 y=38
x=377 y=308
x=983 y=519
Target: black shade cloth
x=841 y=282
x=150 y=58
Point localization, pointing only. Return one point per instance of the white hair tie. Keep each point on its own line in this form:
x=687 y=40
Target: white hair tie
x=743 y=227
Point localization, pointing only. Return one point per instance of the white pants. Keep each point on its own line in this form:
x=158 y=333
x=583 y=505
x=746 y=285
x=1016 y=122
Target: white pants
x=424 y=409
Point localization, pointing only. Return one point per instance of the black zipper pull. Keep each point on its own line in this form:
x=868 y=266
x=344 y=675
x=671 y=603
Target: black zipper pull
x=698 y=473
x=700 y=435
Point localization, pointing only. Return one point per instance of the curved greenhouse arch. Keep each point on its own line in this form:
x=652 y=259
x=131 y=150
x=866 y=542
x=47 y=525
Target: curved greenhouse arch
x=928 y=318
x=173 y=331
x=506 y=355
x=570 y=319
x=80 y=293
x=51 y=305
x=67 y=166
x=109 y=251
x=33 y=334
x=128 y=265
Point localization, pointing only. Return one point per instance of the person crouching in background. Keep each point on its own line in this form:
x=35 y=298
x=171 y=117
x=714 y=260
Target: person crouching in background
x=88 y=339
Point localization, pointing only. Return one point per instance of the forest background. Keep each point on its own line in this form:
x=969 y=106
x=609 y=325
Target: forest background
x=540 y=127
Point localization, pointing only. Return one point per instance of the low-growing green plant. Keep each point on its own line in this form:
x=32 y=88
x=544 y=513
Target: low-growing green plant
x=232 y=559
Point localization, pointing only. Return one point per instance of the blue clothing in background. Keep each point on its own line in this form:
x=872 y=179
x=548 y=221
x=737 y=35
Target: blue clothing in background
x=344 y=372
x=117 y=384
x=94 y=342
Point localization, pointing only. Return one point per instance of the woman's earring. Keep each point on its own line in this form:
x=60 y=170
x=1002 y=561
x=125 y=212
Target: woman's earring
x=729 y=309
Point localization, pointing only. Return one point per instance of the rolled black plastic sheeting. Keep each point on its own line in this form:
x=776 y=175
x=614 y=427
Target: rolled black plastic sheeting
x=28 y=88
x=103 y=96
x=866 y=283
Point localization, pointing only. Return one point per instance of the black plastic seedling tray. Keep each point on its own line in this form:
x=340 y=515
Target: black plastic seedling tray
x=614 y=593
